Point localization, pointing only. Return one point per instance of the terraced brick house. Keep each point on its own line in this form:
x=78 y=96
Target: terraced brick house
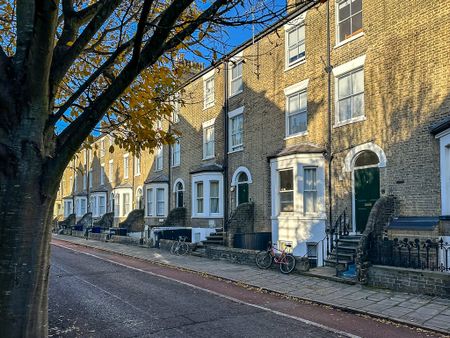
x=321 y=115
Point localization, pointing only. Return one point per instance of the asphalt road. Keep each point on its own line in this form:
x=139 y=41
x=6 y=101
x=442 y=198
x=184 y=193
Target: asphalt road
x=96 y=294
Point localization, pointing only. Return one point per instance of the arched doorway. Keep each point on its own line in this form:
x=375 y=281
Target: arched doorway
x=139 y=199
x=179 y=191
x=242 y=189
x=366 y=188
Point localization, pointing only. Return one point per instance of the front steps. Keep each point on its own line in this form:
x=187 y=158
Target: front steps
x=346 y=250
x=215 y=238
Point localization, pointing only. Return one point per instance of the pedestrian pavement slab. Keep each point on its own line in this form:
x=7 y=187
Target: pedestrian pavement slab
x=419 y=310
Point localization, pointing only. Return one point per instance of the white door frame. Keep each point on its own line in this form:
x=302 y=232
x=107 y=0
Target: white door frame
x=444 y=145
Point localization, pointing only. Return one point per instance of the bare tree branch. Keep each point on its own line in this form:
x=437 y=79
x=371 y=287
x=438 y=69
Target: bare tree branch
x=140 y=31
x=64 y=58
x=85 y=15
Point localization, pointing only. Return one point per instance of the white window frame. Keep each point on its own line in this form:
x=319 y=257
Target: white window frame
x=444 y=150
x=206 y=178
x=80 y=200
x=298 y=162
x=102 y=148
x=111 y=171
x=205 y=126
x=176 y=108
x=294 y=24
x=149 y=202
x=126 y=166
x=137 y=165
x=159 y=158
x=339 y=72
x=153 y=188
x=75 y=183
x=125 y=212
x=279 y=192
x=68 y=207
x=91 y=177
x=102 y=174
x=208 y=97
x=295 y=89
x=85 y=177
x=338 y=20
x=95 y=203
x=239 y=112
x=234 y=62
x=176 y=153
x=311 y=190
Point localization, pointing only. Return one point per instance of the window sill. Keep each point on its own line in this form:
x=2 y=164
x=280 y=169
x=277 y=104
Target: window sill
x=303 y=133
x=157 y=170
x=208 y=216
x=209 y=106
x=353 y=120
x=350 y=39
x=175 y=165
x=236 y=150
x=208 y=158
x=299 y=216
x=295 y=64
x=235 y=94
x=135 y=175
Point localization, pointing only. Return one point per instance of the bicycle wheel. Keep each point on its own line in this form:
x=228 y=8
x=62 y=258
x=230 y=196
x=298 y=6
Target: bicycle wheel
x=263 y=260
x=183 y=249
x=287 y=264
x=173 y=248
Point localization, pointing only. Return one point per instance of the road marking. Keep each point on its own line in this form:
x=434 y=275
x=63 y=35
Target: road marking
x=305 y=321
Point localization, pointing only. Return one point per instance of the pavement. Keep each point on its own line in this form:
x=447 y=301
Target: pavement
x=412 y=309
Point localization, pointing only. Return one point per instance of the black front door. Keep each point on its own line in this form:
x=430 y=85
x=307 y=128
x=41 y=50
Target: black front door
x=367 y=191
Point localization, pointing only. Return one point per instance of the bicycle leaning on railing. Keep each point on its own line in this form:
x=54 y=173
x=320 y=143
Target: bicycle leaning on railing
x=180 y=247
x=264 y=259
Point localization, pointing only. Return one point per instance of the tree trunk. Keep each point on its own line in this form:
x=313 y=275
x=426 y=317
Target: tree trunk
x=25 y=218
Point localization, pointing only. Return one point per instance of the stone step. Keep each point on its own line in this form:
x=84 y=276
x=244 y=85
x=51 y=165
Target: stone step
x=347 y=248
x=349 y=241
x=332 y=263
x=342 y=255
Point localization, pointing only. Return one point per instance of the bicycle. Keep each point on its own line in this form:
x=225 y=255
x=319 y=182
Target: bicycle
x=180 y=247
x=264 y=259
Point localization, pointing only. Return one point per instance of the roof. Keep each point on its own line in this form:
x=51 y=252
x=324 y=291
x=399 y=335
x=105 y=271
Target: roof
x=99 y=189
x=207 y=168
x=160 y=178
x=302 y=148
x=440 y=126
x=414 y=223
x=123 y=185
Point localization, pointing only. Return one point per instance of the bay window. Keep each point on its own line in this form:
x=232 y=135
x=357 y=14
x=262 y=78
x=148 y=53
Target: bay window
x=156 y=200
x=207 y=192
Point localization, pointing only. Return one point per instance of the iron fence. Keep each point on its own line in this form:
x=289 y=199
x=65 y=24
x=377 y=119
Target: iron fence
x=414 y=253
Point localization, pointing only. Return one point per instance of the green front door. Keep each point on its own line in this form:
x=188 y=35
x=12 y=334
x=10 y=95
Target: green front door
x=367 y=191
x=242 y=193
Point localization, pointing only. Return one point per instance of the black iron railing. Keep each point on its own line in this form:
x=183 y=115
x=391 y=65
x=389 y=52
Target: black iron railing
x=414 y=253
x=339 y=228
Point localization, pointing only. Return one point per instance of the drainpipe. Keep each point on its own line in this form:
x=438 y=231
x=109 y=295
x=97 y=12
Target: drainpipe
x=329 y=69
x=225 y=148
x=133 y=168
x=169 y=191
x=73 y=186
